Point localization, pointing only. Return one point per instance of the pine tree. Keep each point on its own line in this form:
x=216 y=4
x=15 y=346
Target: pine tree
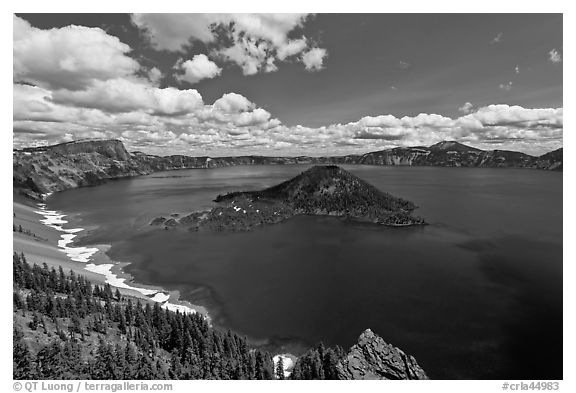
x=196 y=349
x=22 y=362
x=280 y=368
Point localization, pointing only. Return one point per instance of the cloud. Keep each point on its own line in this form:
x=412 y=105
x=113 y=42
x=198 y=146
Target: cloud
x=466 y=108
x=505 y=86
x=517 y=116
x=234 y=125
x=554 y=56
x=124 y=95
x=234 y=109
x=497 y=39
x=155 y=75
x=314 y=59
x=69 y=57
x=233 y=103
x=256 y=117
x=78 y=96
x=291 y=48
x=403 y=65
x=254 y=42
x=269 y=27
x=248 y=53
x=200 y=67
x=174 y=32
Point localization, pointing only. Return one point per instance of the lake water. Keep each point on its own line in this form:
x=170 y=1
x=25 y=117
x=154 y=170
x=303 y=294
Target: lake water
x=477 y=294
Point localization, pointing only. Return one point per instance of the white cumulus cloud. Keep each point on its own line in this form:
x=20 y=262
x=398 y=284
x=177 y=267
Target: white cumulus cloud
x=124 y=95
x=466 y=108
x=69 y=57
x=255 y=41
x=314 y=59
x=200 y=67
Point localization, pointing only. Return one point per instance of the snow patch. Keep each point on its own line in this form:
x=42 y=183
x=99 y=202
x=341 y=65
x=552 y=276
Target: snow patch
x=178 y=307
x=105 y=269
x=287 y=363
x=55 y=220
x=160 y=297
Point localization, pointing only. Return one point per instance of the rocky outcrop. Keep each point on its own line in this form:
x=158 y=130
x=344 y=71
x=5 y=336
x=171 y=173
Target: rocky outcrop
x=113 y=149
x=42 y=170
x=39 y=171
x=373 y=358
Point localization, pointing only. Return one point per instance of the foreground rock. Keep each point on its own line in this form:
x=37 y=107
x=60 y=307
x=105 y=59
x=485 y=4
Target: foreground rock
x=373 y=358
x=319 y=191
x=41 y=170
x=370 y=358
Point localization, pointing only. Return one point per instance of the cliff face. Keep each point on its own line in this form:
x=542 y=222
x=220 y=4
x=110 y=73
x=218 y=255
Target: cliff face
x=113 y=149
x=373 y=358
x=37 y=171
x=454 y=154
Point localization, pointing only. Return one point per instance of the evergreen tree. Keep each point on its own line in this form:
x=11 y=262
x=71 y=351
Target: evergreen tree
x=22 y=363
x=280 y=368
x=158 y=343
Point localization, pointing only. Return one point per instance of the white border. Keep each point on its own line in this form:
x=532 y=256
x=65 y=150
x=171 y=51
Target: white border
x=437 y=6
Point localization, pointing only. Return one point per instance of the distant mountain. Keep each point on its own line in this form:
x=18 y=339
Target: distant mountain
x=320 y=191
x=42 y=170
x=451 y=146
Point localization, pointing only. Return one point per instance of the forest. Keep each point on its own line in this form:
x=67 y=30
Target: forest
x=67 y=328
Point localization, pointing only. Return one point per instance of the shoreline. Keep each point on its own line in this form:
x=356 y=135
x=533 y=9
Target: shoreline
x=55 y=247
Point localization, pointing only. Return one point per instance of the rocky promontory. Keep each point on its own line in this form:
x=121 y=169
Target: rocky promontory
x=319 y=191
x=373 y=358
x=370 y=358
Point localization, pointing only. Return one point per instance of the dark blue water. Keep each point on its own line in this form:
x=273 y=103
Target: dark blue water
x=476 y=294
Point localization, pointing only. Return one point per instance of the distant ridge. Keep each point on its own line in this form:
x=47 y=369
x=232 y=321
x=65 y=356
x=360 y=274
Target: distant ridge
x=46 y=169
x=451 y=146
x=111 y=148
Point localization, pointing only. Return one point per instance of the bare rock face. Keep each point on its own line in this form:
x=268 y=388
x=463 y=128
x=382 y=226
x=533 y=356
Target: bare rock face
x=113 y=149
x=373 y=358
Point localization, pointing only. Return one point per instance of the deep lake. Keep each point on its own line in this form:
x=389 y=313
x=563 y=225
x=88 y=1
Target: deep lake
x=476 y=294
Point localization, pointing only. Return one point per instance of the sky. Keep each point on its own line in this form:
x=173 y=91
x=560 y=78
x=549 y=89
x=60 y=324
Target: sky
x=289 y=84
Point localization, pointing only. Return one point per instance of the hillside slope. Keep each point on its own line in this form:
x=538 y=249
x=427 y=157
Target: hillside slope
x=66 y=328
